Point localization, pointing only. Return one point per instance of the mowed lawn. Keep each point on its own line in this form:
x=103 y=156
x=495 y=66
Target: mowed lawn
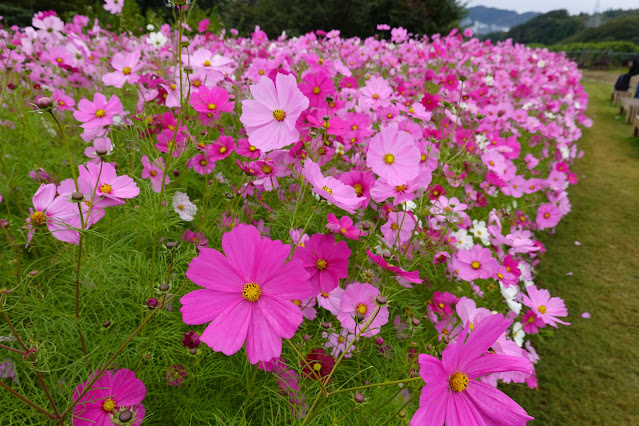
x=589 y=372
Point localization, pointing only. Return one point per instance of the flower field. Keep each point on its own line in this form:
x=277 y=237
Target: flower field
x=212 y=229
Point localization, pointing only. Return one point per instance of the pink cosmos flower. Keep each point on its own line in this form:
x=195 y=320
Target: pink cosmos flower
x=476 y=263
x=63 y=101
x=105 y=182
x=325 y=261
x=203 y=25
x=331 y=301
x=336 y=192
x=531 y=323
x=113 y=6
x=270 y=118
x=453 y=396
x=247 y=294
x=98 y=113
x=547 y=308
x=211 y=102
x=110 y=396
x=399 y=228
x=58 y=213
x=126 y=67
x=315 y=87
x=154 y=171
x=469 y=313
x=356 y=308
x=393 y=155
x=338 y=342
x=344 y=226
x=548 y=216
x=376 y=93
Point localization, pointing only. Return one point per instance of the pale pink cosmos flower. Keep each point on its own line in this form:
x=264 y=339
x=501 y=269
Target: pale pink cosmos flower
x=154 y=170
x=399 y=228
x=126 y=67
x=547 y=308
x=400 y=193
x=338 y=342
x=113 y=6
x=183 y=206
x=357 y=307
x=394 y=156
x=469 y=313
x=335 y=192
x=452 y=394
x=331 y=301
x=105 y=182
x=59 y=214
x=376 y=94
x=270 y=117
x=98 y=113
x=476 y=263
x=247 y=294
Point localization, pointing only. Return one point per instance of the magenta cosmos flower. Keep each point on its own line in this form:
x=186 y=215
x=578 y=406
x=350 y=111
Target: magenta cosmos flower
x=476 y=263
x=315 y=87
x=393 y=155
x=98 y=113
x=325 y=261
x=545 y=307
x=112 y=397
x=211 y=102
x=356 y=308
x=270 y=118
x=336 y=192
x=247 y=295
x=154 y=170
x=453 y=396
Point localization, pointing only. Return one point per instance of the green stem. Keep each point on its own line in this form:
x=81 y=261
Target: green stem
x=394 y=382
x=415 y=395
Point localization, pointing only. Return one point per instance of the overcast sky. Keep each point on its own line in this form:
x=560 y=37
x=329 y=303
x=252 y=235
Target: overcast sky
x=574 y=7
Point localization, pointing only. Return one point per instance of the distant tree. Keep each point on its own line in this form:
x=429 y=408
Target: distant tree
x=352 y=18
x=548 y=28
x=624 y=28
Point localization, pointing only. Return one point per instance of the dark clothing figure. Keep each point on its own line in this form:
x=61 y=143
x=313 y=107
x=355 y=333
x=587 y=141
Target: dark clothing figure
x=634 y=70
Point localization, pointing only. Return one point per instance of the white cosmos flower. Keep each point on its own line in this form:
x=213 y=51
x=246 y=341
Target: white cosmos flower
x=183 y=206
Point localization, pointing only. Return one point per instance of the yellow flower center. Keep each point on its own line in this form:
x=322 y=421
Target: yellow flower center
x=359 y=189
x=475 y=265
x=389 y=159
x=542 y=309
x=297 y=302
x=252 y=148
x=400 y=188
x=181 y=207
x=173 y=86
x=251 y=292
x=38 y=218
x=546 y=215
x=202 y=162
x=100 y=113
x=207 y=63
x=126 y=70
x=361 y=309
x=343 y=231
x=109 y=405
x=105 y=188
x=321 y=265
x=316 y=90
x=279 y=115
x=222 y=150
x=394 y=227
x=267 y=169
x=212 y=107
x=458 y=382
x=61 y=103
x=376 y=96
x=354 y=127
x=470 y=324
x=261 y=72
x=153 y=173
x=327 y=189
x=317 y=366
x=341 y=339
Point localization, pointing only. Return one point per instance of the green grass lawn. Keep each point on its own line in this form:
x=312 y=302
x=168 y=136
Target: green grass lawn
x=589 y=372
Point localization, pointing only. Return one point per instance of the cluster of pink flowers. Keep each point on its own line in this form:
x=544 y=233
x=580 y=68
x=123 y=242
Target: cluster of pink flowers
x=413 y=169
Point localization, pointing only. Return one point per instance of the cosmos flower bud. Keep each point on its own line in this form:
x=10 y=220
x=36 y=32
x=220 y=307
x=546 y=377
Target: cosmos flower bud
x=101 y=152
x=379 y=341
x=326 y=325
x=33 y=273
x=330 y=98
x=4 y=223
x=44 y=103
x=171 y=245
x=106 y=324
x=188 y=69
x=77 y=196
x=381 y=300
x=152 y=303
x=358 y=397
x=163 y=287
x=415 y=322
x=125 y=416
